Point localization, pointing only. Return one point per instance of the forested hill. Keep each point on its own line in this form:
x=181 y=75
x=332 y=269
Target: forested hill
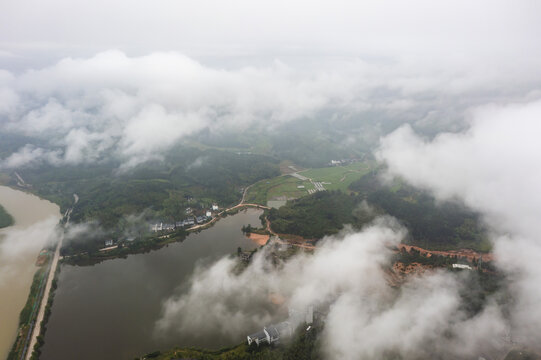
x=315 y=216
x=430 y=224
x=186 y=177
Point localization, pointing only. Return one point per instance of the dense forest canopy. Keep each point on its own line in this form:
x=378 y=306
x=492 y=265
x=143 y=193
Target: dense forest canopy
x=186 y=177
x=430 y=223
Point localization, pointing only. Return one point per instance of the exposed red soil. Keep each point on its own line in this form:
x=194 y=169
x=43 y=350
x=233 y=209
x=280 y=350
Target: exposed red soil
x=258 y=238
x=468 y=254
x=42 y=259
x=294 y=240
x=276 y=298
x=399 y=272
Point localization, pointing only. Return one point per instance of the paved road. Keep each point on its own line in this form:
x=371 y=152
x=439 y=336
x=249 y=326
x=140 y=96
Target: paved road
x=245 y=192
x=45 y=298
x=218 y=216
x=37 y=327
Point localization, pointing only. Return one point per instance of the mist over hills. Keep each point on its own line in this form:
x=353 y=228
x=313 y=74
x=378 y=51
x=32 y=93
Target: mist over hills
x=424 y=115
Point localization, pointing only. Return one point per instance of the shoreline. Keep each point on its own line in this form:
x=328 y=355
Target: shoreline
x=39 y=323
x=154 y=243
x=34 y=219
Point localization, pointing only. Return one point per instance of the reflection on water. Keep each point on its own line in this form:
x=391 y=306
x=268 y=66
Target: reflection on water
x=35 y=220
x=108 y=311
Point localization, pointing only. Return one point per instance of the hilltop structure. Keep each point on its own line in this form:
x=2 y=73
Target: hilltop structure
x=273 y=333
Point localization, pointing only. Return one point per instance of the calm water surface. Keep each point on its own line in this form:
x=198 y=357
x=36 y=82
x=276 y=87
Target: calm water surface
x=109 y=310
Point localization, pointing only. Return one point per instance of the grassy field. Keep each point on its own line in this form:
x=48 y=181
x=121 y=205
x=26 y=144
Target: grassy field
x=339 y=177
x=334 y=178
x=280 y=186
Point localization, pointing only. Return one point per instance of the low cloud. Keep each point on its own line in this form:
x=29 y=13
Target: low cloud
x=30 y=155
x=137 y=108
x=200 y=161
x=494 y=168
x=367 y=318
x=18 y=244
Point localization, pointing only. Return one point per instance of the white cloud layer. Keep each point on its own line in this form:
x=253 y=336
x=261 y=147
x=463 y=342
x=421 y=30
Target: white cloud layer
x=136 y=108
x=494 y=168
x=367 y=319
x=18 y=244
x=181 y=68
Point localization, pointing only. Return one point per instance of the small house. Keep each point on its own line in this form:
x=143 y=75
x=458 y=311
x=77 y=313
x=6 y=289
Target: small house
x=462 y=267
x=271 y=334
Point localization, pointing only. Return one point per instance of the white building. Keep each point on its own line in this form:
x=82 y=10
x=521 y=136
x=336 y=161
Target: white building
x=271 y=334
x=274 y=333
x=214 y=207
x=462 y=266
x=208 y=214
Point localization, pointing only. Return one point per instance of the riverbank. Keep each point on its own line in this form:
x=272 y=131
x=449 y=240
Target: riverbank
x=32 y=324
x=153 y=243
x=27 y=317
x=113 y=291
x=45 y=301
x=20 y=244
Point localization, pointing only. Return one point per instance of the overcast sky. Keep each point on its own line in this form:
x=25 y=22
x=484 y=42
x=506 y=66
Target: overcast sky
x=480 y=33
x=103 y=77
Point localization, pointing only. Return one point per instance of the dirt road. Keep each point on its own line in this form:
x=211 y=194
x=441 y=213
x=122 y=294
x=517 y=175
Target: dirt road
x=463 y=253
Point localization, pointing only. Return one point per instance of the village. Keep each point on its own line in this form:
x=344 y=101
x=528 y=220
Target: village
x=189 y=221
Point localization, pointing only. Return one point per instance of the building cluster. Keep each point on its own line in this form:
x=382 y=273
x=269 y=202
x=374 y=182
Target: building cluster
x=343 y=162
x=318 y=187
x=273 y=333
x=185 y=223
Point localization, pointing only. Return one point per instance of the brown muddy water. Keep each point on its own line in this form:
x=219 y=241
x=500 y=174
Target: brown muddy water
x=109 y=310
x=20 y=244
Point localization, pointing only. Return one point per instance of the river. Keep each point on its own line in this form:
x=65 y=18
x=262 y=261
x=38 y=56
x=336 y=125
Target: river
x=109 y=310
x=20 y=244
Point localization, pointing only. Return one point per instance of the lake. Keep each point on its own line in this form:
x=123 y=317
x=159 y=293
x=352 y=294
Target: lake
x=109 y=310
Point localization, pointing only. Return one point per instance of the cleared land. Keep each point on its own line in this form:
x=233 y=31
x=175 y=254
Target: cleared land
x=291 y=187
x=338 y=177
x=278 y=188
